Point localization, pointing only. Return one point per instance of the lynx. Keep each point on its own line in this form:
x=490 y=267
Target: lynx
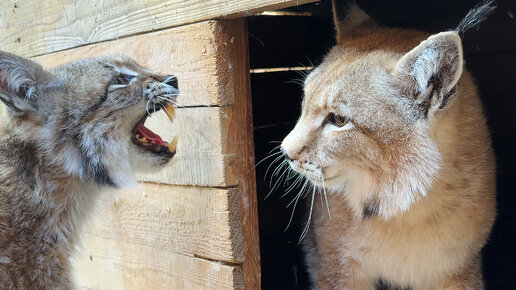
x=68 y=133
x=393 y=130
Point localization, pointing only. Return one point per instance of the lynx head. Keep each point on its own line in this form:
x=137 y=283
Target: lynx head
x=369 y=114
x=86 y=117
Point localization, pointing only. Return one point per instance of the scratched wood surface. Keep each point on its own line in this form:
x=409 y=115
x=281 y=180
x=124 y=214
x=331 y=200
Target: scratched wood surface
x=31 y=27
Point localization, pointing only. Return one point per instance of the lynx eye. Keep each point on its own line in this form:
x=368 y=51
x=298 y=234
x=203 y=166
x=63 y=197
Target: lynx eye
x=121 y=80
x=337 y=120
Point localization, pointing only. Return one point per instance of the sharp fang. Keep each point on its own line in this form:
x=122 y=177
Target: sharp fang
x=173 y=144
x=170 y=111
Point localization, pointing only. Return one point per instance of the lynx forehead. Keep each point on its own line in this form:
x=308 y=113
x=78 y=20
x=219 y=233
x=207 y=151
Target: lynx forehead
x=392 y=127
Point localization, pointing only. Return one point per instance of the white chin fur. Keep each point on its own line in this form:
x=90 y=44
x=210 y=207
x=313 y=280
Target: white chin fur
x=144 y=163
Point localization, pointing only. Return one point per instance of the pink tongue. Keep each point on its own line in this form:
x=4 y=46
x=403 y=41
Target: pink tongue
x=151 y=136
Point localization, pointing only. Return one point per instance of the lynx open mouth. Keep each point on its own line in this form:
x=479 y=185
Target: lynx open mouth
x=144 y=138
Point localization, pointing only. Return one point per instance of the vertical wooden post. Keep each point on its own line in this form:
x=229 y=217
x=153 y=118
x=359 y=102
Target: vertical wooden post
x=241 y=132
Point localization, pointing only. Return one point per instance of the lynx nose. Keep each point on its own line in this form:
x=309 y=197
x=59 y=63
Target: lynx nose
x=171 y=81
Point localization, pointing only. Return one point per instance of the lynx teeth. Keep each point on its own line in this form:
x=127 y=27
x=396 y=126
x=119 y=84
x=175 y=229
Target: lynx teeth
x=173 y=144
x=170 y=111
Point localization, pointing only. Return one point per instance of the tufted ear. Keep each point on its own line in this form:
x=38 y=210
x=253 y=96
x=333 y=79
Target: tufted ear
x=429 y=73
x=348 y=19
x=21 y=82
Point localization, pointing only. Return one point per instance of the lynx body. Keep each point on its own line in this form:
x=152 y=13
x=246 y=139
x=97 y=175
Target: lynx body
x=392 y=127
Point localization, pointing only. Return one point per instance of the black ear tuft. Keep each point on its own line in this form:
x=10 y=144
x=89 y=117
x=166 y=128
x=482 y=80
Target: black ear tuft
x=21 y=82
x=475 y=16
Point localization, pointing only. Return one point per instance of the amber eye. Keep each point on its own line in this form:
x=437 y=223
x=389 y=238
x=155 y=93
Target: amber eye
x=121 y=80
x=337 y=120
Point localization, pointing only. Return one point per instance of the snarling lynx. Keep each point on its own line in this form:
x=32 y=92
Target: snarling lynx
x=393 y=129
x=68 y=133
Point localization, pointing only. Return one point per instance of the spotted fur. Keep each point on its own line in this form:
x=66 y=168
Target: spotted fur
x=66 y=135
x=410 y=176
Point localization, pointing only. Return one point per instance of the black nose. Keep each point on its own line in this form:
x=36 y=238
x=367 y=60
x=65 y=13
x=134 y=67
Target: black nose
x=171 y=81
x=285 y=153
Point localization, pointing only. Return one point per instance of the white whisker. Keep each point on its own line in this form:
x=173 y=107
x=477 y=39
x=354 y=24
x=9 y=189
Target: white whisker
x=325 y=196
x=307 y=226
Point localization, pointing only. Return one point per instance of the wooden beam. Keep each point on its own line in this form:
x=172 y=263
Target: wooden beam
x=32 y=27
x=194 y=53
x=191 y=221
x=241 y=135
x=115 y=264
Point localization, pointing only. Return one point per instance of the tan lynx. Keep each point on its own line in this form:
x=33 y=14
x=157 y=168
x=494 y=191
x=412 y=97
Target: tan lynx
x=69 y=133
x=393 y=128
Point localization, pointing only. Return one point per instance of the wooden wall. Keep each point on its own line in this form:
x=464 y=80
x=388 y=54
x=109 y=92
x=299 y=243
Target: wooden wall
x=302 y=36
x=194 y=224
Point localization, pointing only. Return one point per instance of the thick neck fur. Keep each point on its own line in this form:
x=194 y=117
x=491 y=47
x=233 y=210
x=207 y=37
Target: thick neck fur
x=42 y=207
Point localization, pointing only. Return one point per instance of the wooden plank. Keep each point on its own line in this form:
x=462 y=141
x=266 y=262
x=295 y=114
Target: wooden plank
x=115 y=264
x=192 y=221
x=194 y=53
x=240 y=133
x=31 y=27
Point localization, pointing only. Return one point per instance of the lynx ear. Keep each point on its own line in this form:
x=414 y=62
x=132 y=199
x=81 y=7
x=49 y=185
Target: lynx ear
x=21 y=81
x=348 y=18
x=430 y=72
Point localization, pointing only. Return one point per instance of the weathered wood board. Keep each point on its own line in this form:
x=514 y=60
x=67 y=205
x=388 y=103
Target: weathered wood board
x=241 y=133
x=116 y=264
x=32 y=28
x=192 y=221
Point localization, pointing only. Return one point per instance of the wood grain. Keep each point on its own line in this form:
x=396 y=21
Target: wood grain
x=240 y=134
x=114 y=264
x=31 y=27
x=194 y=53
x=192 y=221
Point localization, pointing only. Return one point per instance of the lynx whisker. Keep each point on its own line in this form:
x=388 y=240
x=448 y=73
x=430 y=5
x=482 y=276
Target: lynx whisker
x=265 y=158
x=295 y=200
x=307 y=226
x=272 y=163
x=325 y=195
